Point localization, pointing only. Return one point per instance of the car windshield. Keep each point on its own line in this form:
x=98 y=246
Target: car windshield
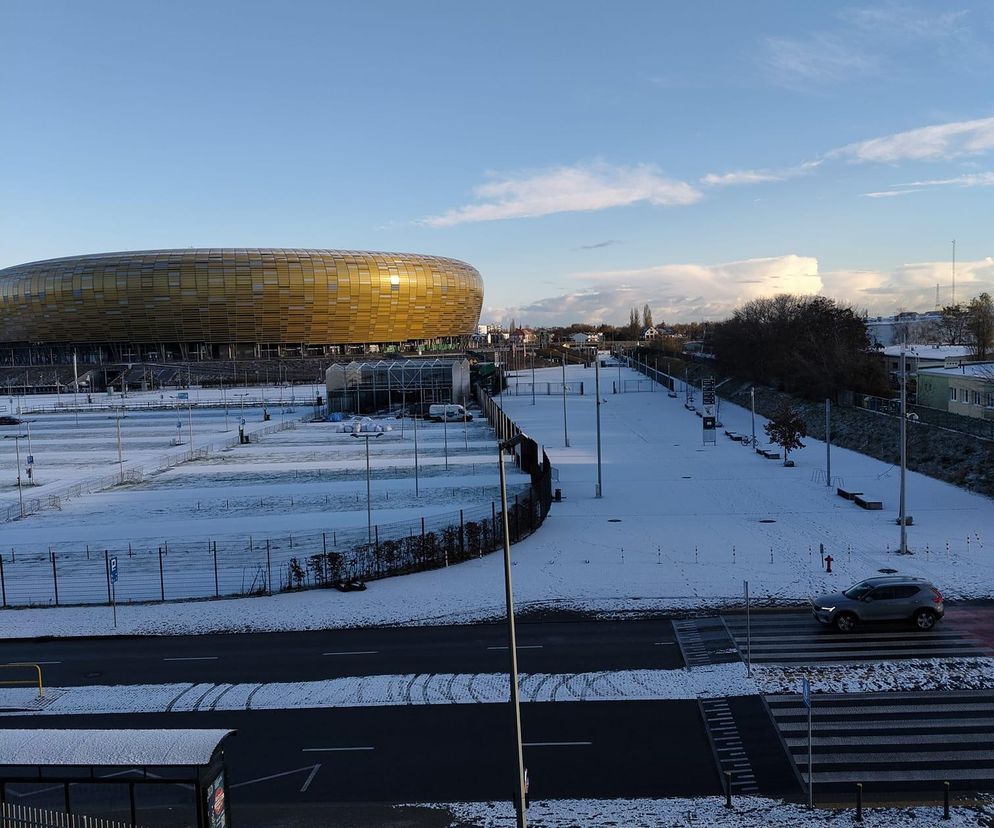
x=858 y=591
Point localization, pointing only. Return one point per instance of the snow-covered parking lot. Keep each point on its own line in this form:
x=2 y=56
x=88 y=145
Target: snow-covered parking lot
x=680 y=524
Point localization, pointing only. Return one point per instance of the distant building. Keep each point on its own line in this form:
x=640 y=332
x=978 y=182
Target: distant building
x=924 y=356
x=585 y=338
x=904 y=327
x=649 y=334
x=966 y=389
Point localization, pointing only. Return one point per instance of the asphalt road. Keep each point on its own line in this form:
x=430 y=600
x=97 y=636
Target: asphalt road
x=445 y=753
x=556 y=647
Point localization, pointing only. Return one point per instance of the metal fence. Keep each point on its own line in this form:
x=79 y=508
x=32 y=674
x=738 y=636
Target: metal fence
x=974 y=426
x=544 y=389
x=262 y=565
x=24 y=816
x=52 y=498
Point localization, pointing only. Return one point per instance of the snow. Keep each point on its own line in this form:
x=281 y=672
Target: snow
x=747 y=812
x=127 y=748
x=680 y=525
x=715 y=681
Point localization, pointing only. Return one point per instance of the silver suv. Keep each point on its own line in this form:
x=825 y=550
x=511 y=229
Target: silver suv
x=887 y=598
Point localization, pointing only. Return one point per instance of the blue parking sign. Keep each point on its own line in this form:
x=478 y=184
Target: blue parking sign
x=113 y=570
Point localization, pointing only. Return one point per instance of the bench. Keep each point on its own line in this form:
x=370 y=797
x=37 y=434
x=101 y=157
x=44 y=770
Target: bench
x=733 y=436
x=848 y=495
x=873 y=505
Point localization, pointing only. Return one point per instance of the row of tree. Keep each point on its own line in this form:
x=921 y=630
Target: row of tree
x=971 y=324
x=804 y=345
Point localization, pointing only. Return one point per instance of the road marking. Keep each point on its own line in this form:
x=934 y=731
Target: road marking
x=555 y=744
x=312 y=768
x=310 y=778
x=353 y=652
x=662 y=643
x=191 y=658
x=331 y=749
x=519 y=647
x=28 y=664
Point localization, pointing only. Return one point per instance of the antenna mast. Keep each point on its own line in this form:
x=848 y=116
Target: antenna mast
x=954 y=273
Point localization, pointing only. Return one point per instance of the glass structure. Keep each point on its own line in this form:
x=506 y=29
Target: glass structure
x=224 y=301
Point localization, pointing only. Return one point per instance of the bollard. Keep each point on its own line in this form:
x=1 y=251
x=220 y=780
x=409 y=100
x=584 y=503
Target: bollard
x=728 y=789
x=945 y=800
x=859 y=802
x=828 y=563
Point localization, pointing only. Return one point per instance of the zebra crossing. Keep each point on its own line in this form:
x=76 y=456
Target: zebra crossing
x=727 y=744
x=796 y=638
x=704 y=641
x=891 y=741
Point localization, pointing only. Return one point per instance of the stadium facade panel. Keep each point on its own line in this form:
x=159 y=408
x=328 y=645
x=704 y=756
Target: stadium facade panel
x=235 y=296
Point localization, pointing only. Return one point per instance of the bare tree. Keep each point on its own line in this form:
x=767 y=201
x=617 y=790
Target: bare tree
x=980 y=324
x=646 y=316
x=633 y=323
x=953 y=324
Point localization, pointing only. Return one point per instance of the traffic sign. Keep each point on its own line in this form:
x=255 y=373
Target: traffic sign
x=113 y=570
x=31 y=459
x=806 y=692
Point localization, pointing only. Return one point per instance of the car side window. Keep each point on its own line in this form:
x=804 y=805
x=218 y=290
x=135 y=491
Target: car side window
x=906 y=591
x=882 y=594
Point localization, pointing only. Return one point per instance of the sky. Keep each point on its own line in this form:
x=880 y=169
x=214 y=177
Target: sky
x=585 y=157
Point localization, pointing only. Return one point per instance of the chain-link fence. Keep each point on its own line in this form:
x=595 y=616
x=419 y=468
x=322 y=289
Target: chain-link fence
x=253 y=565
x=930 y=416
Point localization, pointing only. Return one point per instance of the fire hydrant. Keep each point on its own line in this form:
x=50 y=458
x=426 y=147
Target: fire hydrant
x=828 y=563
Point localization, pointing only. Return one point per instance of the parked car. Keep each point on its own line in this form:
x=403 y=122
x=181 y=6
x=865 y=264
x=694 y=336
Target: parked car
x=6 y=419
x=886 y=598
x=451 y=412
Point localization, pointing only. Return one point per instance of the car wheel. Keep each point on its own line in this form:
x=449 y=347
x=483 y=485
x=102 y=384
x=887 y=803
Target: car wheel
x=845 y=622
x=924 y=620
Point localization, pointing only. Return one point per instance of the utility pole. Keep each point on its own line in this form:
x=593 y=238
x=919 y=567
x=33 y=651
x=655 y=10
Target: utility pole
x=752 y=400
x=597 y=391
x=904 y=452
x=828 y=442
x=565 y=425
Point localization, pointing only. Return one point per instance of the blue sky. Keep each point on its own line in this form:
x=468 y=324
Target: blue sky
x=585 y=157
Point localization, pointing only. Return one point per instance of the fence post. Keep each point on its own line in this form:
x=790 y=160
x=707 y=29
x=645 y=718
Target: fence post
x=493 y=525
x=462 y=536
x=3 y=584
x=376 y=547
x=107 y=572
x=217 y=591
x=269 y=570
x=517 y=528
x=55 y=576
x=162 y=579
x=324 y=543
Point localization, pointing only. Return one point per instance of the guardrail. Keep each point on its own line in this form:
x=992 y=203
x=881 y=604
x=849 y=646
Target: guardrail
x=26 y=816
x=19 y=682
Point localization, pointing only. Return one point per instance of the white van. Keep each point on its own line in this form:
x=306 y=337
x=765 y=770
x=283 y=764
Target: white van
x=451 y=412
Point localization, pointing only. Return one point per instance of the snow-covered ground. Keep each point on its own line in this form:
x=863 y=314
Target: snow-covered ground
x=709 y=812
x=289 y=493
x=680 y=524
x=714 y=681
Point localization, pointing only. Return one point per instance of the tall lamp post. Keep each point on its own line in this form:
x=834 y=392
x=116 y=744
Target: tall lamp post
x=369 y=499
x=519 y=793
x=597 y=391
x=903 y=519
x=565 y=424
x=17 y=450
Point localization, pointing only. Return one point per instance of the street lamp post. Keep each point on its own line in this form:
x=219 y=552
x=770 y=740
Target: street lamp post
x=17 y=451
x=752 y=400
x=120 y=455
x=565 y=424
x=903 y=520
x=417 y=483
x=533 y=377
x=369 y=498
x=519 y=793
x=597 y=391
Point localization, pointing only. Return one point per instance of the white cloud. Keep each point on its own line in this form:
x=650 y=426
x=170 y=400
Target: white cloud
x=888 y=193
x=737 y=177
x=939 y=142
x=580 y=188
x=691 y=292
x=985 y=179
x=675 y=292
x=822 y=58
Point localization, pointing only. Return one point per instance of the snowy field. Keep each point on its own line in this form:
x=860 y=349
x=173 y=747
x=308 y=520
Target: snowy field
x=680 y=525
x=293 y=492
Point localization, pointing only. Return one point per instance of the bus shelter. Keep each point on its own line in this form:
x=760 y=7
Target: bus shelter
x=59 y=764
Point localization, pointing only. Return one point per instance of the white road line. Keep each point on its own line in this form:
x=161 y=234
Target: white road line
x=311 y=768
x=334 y=749
x=352 y=652
x=661 y=643
x=520 y=647
x=191 y=658
x=28 y=663
x=310 y=778
x=555 y=744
